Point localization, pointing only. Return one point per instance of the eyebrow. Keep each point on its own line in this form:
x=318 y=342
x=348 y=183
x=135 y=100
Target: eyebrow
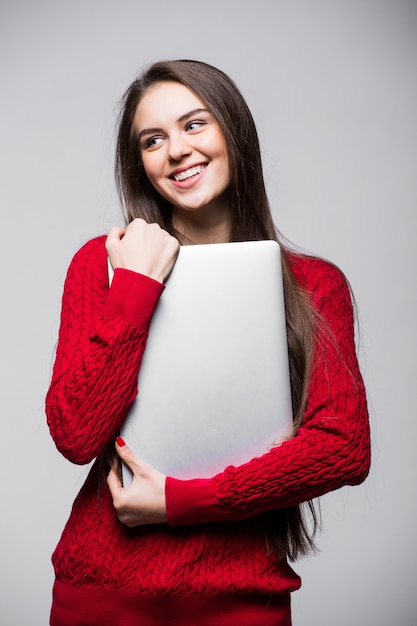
x=182 y=118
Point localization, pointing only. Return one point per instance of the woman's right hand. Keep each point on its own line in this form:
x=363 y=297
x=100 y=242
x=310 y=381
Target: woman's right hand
x=143 y=248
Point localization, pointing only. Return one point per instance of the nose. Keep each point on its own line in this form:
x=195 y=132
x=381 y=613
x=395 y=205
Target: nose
x=178 y=147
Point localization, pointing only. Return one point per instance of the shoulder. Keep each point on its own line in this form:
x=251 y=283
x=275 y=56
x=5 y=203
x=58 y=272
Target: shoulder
x=311 y=271
x=322 y=280
x=89 y=260
x=91 y=251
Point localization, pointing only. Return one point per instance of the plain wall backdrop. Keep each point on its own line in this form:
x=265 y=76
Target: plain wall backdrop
x=332 y=86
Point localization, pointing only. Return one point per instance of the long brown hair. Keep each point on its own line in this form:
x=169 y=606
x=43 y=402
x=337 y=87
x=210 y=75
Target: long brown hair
x=251 y=220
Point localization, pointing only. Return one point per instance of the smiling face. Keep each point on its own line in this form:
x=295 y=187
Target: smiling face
x=183 y=151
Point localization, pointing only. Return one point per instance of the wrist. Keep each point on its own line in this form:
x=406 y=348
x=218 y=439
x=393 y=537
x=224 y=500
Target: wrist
x=191 y=501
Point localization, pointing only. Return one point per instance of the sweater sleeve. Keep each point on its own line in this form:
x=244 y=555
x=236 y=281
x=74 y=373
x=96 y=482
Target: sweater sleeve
x=101 y=341
x=331 y=448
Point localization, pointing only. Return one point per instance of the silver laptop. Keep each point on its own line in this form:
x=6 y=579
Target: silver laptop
x=214 y=385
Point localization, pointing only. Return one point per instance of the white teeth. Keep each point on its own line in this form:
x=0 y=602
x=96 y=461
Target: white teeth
x=188 y=173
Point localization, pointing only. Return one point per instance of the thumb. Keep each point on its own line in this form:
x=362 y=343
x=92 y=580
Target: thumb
x=126 y=454
x=120 y=443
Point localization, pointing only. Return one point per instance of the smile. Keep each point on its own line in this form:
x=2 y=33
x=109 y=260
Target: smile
x=192 y=171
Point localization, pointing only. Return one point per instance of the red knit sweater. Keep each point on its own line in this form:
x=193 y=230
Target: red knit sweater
x=214 y=545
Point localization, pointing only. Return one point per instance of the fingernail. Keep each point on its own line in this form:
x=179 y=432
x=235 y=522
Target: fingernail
x=120 y=442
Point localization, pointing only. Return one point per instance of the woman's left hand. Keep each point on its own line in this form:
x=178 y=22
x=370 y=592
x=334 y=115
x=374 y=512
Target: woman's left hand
x=143 y=502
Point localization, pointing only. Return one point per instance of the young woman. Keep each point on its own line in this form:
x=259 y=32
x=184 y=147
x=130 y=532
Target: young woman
x=202 y=551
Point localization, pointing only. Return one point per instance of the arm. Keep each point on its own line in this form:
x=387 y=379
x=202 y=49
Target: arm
x=331 y=449
x=102 y=338
x=143 y=502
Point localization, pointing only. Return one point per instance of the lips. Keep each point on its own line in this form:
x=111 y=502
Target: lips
x=186 y=174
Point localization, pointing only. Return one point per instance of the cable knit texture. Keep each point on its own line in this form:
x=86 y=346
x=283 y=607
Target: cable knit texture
x=215 y=540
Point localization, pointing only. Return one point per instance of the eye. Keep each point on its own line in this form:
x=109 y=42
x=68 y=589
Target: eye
x=195 y=125
x=152 y=142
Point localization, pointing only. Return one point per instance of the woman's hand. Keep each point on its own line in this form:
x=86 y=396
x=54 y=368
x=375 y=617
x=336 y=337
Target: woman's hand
x=143 y=248
x=143 y=502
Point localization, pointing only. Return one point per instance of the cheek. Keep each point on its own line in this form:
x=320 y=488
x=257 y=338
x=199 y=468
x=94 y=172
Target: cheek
x=221 y=151
x=151 y=168
x=224 y=159
x=218 y=145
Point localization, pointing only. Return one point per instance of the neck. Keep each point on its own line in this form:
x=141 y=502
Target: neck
x=197 y=228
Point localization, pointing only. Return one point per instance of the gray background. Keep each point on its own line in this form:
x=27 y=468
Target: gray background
x=332 y=86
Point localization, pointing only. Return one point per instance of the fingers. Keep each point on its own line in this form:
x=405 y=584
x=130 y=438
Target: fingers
x=114 y=483
x=139 y=468
x=143 y=502
x=143 y=248
x=128 y=456
x=115 y=234
x=113 y=480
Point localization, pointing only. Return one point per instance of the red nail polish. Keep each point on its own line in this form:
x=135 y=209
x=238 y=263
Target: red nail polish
x=120 y=442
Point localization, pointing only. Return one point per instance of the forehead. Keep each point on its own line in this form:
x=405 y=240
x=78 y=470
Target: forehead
x=163 y=103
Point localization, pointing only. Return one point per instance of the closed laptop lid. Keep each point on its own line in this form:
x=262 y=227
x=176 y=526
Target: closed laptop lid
x=214 y=385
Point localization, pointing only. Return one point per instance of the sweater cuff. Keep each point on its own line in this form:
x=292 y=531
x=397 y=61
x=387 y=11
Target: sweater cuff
x=191 y=501
x=132 y=297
